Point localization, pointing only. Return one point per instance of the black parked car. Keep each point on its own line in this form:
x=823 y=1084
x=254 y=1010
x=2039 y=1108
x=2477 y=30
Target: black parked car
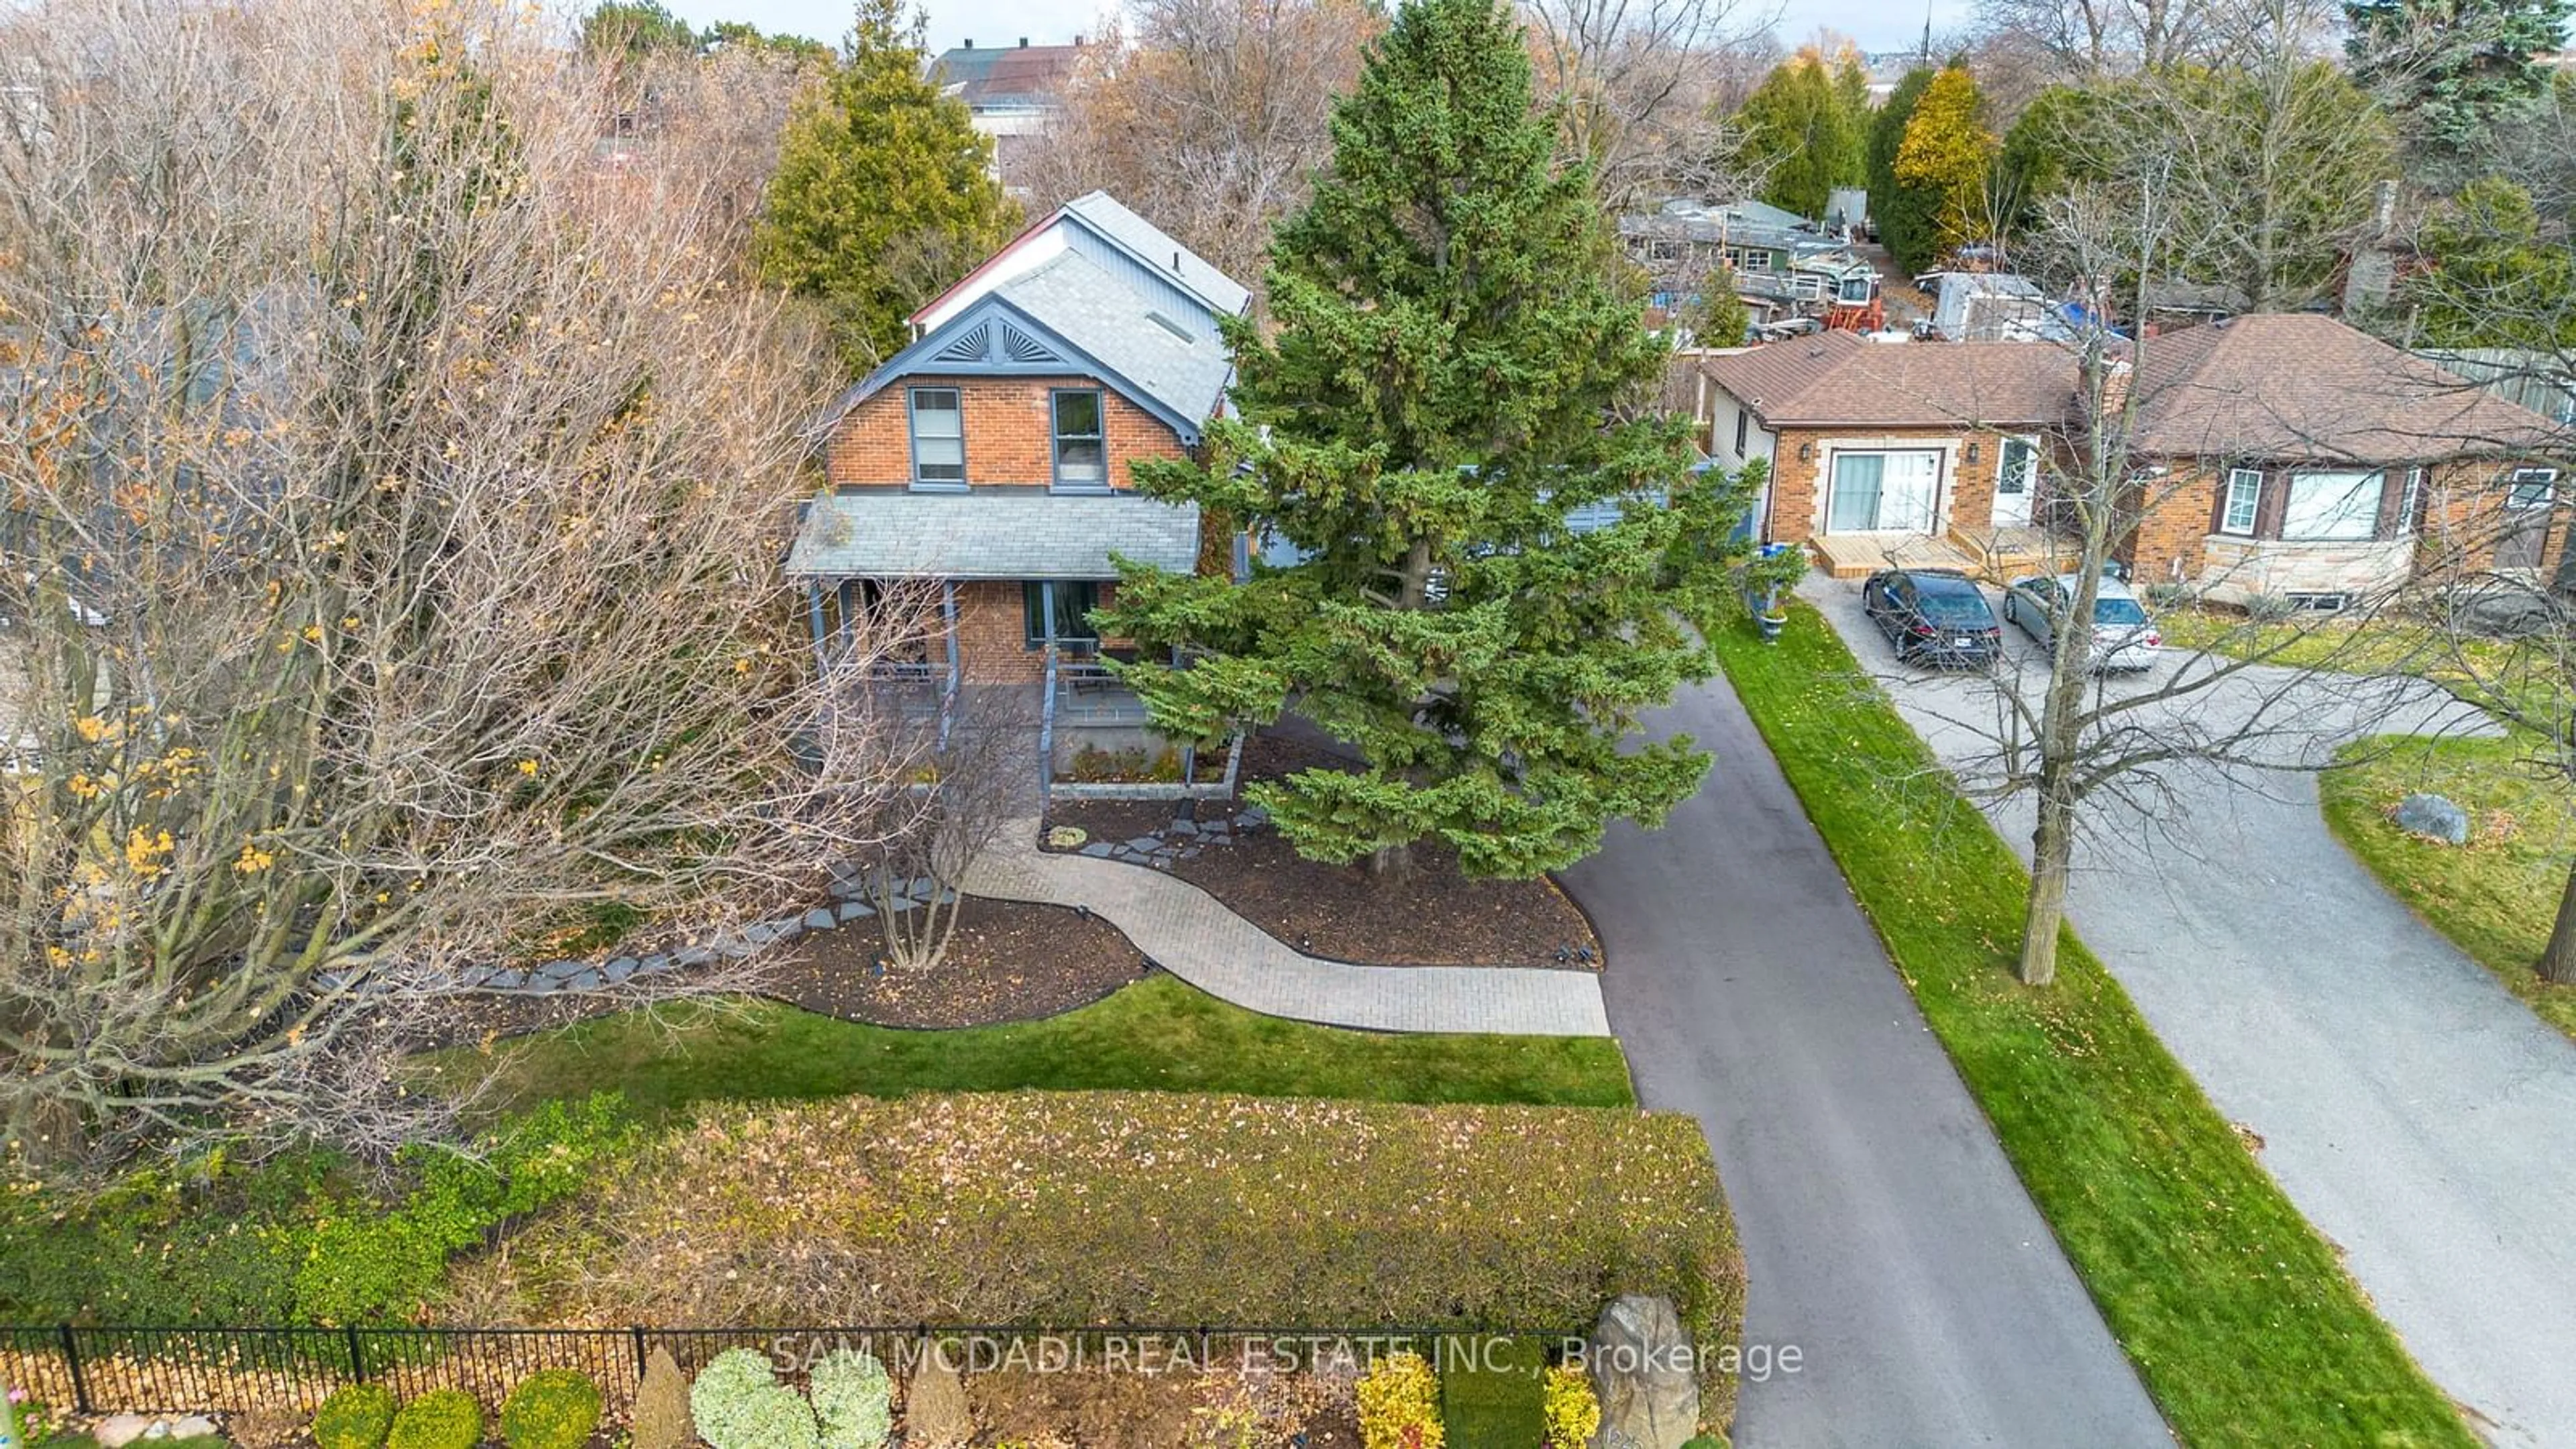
x=1933 y=616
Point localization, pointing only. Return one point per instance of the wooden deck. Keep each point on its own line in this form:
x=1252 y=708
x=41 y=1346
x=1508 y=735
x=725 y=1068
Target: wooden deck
x=1997 y=555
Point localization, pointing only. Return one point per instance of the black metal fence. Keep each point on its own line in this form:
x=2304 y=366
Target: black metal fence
x=233 y=1370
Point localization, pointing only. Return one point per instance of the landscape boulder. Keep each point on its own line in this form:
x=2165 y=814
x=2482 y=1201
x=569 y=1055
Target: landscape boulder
x=1645 y=1371
x=2505 y=611
x=2434 y=818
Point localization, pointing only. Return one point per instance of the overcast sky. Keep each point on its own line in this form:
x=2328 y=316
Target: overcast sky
x=1876 y=26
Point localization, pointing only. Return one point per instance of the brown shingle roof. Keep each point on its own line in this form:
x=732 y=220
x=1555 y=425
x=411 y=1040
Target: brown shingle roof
x=2298 y=385
x=1835 y=379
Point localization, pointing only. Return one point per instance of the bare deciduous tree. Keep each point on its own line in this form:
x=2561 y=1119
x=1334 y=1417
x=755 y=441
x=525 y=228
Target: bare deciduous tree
x=1206 y=118
x=1643 y=85
x=973 y=774
x=395 y=495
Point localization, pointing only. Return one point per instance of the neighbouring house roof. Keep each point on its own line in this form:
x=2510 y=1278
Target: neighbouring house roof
x=1838 y=380
x=2299 y=385
x=1006 y=78
x=1021 y=533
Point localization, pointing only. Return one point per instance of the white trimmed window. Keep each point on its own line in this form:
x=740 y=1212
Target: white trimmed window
x=2332 y=506
x=2410 y=503
x=2532 y=488
x=2244 y=501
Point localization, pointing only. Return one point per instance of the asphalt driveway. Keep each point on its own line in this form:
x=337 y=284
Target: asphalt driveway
x=1887 y=1240
x=2421 y=1117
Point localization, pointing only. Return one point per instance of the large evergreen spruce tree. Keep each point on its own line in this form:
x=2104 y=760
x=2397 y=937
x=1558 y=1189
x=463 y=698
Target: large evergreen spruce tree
x=1456 y=352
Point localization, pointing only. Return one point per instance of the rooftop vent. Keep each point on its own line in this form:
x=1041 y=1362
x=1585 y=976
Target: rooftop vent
x=1024 y=42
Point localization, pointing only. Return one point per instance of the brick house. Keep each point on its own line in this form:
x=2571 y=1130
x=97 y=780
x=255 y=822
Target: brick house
x=1877 y=451
x=2287 y=456
x=993 y=457
x=2278 y=456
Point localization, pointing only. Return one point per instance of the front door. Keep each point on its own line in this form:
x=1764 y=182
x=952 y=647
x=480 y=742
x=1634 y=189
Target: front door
x=2016 y=479
x=1885 y=492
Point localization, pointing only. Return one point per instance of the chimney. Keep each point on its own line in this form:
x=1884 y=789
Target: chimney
x=1077 y=42
x=969 y=45
x=1024 y=42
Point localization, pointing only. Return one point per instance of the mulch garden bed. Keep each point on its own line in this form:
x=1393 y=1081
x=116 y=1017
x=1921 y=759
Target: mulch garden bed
x=1433 y=917
x=1010 y=961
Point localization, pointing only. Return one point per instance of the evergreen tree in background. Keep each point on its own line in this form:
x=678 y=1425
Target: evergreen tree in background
x=1945 y=158
x=1799 y=136
x=2496 y=280
x=1456 y=346
x=2451 y=69
x=882 y=195
x=1903 y=214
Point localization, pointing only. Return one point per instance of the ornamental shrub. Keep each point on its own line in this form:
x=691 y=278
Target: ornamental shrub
x=1572 y=1411
x=439 y=1419
x=661 y=1416
x=739 y=1404
x=551 y=1409
x=853 y=1400
x=356 y=1416
x=1400 y=1404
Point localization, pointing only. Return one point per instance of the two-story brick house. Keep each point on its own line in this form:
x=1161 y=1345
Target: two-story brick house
x=994 y=456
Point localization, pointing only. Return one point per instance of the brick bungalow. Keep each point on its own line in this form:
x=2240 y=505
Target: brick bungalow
x=2288 y=456
x=1881 y=450
x=994 y=456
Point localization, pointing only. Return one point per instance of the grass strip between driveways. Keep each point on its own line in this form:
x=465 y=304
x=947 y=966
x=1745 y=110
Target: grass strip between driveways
x=2238 y=1315
x=1159 y=1034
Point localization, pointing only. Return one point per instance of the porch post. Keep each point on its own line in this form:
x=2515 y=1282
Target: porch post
x=948 y=692
x=814 y=618
x=1189 y=749
x=1046 y=729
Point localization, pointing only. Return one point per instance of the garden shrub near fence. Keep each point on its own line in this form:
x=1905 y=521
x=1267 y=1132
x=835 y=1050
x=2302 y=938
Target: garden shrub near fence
x=303 y=1239
x=1143 y=1207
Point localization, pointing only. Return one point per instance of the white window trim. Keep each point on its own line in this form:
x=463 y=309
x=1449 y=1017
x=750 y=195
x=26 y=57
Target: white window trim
x=1945 y=472
x=2252 y=480
x=2545 y=479
x=2290 y=498
x=2410 y=501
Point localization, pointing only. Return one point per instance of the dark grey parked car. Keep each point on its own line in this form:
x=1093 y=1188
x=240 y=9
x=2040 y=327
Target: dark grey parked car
x=1933 y=616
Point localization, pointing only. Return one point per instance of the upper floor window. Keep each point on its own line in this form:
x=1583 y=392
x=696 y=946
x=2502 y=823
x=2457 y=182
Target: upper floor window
x=2531 y=487
x=1081 y=452
x=938 y=438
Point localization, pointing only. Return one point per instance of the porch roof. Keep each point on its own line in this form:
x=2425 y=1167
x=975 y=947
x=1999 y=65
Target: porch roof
x=1019 y=533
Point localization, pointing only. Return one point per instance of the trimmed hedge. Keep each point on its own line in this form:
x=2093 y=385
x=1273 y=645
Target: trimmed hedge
x=1143 y=1208
x=302 y=1239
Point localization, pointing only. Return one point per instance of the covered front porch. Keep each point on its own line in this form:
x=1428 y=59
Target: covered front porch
x=977 y=611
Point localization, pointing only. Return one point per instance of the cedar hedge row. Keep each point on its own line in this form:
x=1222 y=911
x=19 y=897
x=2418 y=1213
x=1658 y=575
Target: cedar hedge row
x=1144 y=1208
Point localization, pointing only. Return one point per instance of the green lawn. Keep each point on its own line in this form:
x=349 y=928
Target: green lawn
x=2240 y=1320
x=2478 y=670
x=1157 y=1034
x=1497 y=1400
x=2494 y=897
